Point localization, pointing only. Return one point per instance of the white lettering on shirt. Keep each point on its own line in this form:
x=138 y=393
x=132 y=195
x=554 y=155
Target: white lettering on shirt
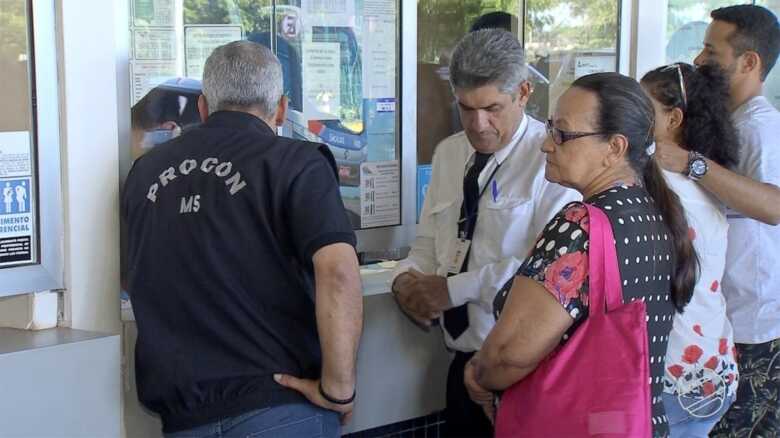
x=168 y=175
x=152 y=194
x=189 y=204
x=187 y=166
x=208 y=164
x=222 y=170
x=235 y=183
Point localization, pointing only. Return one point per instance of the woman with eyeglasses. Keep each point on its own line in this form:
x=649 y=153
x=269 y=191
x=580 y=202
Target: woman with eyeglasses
x=599 y=143
x=701 y=375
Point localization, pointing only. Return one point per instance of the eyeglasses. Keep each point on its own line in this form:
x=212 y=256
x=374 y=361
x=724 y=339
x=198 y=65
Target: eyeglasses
x=560 y=137
x=678 y=67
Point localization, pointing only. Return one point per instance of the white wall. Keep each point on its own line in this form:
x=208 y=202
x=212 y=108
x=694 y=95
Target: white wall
x=648 y=31
x=90 y=163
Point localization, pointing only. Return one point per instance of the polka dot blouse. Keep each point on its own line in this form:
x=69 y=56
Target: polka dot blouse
x=559 y=261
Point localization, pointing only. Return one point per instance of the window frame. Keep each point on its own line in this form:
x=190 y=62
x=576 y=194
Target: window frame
x=48 y=272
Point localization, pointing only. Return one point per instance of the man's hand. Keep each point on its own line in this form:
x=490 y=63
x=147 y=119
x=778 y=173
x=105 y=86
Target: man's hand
x=422 y=297
x=672 y=157
x=311 y=390
x=479 y=395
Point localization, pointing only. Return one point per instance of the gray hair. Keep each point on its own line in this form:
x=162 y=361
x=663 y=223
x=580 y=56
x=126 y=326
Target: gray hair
x=242 y=74
x=488 y=57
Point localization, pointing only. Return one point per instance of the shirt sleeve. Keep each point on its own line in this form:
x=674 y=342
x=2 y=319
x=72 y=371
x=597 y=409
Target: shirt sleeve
x=559 y=262
x=315 y=211
x=759 y=156
x=422 y=255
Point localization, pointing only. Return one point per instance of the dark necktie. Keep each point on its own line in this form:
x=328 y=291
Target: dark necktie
x=456 y=320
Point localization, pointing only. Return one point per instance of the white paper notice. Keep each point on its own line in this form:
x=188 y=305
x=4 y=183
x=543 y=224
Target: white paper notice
x=146 y=75
x=585 y=65
x=153 y=12
x=339 y=13
x=379 y=58
x=200 y=41
x=154 y=44
x=380 y=8
x=17 y=222
x=321 y=81
x=15 y=155
x=380 y=194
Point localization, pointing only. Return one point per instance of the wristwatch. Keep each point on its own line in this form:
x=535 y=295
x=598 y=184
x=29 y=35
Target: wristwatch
x=697 y=166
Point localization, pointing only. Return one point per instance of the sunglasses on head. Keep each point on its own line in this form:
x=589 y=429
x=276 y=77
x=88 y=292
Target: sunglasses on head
x=678 y=67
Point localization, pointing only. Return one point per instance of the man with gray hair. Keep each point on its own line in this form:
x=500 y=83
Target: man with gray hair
x=486 y=203
x=248 y=306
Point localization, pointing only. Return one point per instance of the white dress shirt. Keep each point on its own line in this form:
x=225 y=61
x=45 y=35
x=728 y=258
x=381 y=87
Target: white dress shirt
x=752 y=280
x=514 y=208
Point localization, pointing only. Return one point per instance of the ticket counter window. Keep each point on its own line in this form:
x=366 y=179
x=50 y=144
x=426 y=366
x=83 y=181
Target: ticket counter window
x=31 y=213
x=18 y=180
x=563 y=40
x=340 y=73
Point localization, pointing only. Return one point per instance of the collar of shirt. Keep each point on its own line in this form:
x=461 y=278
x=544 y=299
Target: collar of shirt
x=501 y=155
x=238 y=120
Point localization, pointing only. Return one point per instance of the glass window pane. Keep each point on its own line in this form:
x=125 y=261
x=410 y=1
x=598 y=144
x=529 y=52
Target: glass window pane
x=440 y=25
x=685 y=27
x=343 y=58
x=686 y=24
x=339 y=69
x=18 y=203
x=565 y=40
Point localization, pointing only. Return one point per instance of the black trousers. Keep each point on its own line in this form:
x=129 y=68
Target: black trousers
x=462 y=417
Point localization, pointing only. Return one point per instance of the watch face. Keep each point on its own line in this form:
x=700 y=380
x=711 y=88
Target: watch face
x=698 y=167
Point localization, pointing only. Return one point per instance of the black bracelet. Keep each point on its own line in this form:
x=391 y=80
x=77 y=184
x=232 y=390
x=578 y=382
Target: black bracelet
x=336 y=401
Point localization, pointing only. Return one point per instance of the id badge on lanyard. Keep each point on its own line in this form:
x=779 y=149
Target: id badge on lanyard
x=460 y=251
x=458 y=255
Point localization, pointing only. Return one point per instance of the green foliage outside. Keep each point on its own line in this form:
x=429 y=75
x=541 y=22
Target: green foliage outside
x=13 y=30
x=550 y=24
x=252 y=15
x=441 y=23
x=555 y=25
x=682 y=12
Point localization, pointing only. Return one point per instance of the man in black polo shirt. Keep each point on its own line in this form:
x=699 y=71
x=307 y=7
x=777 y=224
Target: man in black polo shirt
x=242 y=269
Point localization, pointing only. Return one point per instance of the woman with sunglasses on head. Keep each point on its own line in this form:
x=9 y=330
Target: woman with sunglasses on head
x=597 y=144
x=701 y=372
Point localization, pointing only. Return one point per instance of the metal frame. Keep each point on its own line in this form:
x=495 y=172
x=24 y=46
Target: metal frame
x=621 y=37
x=386 y=239
x=48 y=272
x=375 y=240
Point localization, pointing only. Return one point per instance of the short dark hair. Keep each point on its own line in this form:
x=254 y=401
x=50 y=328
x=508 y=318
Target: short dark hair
x=495 y=20
x=757 y=31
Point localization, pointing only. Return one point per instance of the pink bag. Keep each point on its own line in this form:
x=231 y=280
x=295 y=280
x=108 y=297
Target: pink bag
x=597 y=383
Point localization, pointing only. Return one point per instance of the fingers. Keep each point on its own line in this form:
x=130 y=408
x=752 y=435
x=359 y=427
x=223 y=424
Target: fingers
x=310 y=389
x=478 y=394
x=415 y=273
x=490 y=413
x=421 y=320
x=291 y=382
